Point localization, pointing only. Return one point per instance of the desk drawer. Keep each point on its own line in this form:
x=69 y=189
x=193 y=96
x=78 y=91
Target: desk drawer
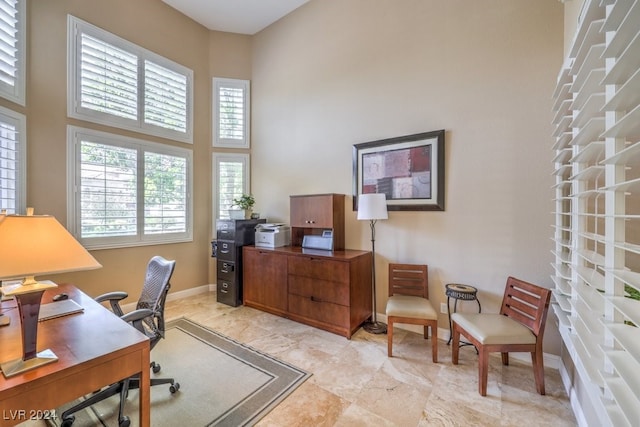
x=321 y=290
x=319 y=268
x=321 y=311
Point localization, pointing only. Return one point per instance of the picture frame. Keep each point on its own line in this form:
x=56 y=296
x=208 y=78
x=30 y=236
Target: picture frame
x=409 y=169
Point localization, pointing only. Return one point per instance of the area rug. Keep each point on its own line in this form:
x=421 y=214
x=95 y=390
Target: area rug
x=222 y=383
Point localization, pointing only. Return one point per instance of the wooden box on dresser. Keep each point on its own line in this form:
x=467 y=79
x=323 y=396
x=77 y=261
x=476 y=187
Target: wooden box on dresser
x=330 y=290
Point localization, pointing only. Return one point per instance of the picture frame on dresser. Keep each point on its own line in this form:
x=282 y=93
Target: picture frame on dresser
x=409 y=170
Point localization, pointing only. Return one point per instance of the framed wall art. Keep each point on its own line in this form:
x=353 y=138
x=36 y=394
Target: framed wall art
x=409 y=170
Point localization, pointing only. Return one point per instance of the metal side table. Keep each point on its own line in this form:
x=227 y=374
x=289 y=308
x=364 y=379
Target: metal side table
x=459 y=292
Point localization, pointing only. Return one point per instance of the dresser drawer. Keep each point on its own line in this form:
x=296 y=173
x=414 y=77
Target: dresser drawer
x=319 y=268
x=319 y=290
x=321 y=311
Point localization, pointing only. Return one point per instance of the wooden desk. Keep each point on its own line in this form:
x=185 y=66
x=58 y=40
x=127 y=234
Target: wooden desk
x=95 y=348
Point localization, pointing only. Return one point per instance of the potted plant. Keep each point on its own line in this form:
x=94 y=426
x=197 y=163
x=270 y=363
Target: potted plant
x=245 y=203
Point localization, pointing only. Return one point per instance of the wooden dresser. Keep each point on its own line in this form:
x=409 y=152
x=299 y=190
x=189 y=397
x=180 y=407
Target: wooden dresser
x=330 y=290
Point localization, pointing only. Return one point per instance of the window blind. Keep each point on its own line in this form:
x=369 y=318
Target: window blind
x=231 y=97
x=8 y=167
x=597 y=210
x=117 y=83
x=126 y=191
x=12 y=42
x=231 y=180
x=108 y=187
x=165 y=194
x=108 y=79
x=165 y=98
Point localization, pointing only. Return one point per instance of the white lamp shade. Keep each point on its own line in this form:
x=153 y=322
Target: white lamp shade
x=372 y=206
x=37 y=245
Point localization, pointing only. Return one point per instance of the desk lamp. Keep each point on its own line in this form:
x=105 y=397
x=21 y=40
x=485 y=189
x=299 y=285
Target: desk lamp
x=372 y=207
x=35 y=245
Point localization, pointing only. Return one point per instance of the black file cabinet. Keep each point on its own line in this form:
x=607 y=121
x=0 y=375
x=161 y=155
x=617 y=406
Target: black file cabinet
x=231 y=236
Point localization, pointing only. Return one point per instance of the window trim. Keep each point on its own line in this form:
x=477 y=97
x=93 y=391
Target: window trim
x=245 y=85
x=17 y=92
x=74 y=136
x=215 y=168
x=20 y=122
x=75 y=28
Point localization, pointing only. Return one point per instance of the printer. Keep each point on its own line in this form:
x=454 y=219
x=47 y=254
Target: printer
x=272 y=235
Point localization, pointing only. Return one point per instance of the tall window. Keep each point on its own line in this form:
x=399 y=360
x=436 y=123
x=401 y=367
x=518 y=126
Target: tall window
x=117 y=83
x=12 y=51
x=231 y=99
x=12 y=161
x=127 y=192
x=231 y=180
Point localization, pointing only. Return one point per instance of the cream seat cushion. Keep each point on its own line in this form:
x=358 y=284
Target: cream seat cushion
x=494 y=328
x=409 y=306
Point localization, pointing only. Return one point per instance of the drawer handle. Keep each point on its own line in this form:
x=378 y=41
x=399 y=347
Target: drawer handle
x=314 y=299
x=310 y=221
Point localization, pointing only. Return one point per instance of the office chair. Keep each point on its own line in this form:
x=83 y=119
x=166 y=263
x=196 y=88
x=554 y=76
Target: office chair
x=148 y=318
x=409 y=303
x=519 y=327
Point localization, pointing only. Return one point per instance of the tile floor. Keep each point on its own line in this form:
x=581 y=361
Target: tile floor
x=354 y=383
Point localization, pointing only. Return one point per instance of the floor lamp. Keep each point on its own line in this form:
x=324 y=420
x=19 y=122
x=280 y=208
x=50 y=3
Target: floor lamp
x=372 y=207
x=34 y=245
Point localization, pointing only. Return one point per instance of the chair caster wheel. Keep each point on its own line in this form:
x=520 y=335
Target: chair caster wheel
x=155 y=368
x=68 y=421
x=124 y=422
x=174 y=387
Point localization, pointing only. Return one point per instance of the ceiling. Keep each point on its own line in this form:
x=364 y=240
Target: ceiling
x=235 y=16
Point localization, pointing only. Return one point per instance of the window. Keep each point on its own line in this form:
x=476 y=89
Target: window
x=12 y=50
x=116 y=83
x=231 y=180
x=231 y=113
x=127 y=192
x=12 y=161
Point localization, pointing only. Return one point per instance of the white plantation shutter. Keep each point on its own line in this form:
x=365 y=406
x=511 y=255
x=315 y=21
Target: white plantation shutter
x=126 y=191
x=108 y=186
x=117 y=83
x=166 y=97
x=12 y=162
x=108 y=79
x=165 y=193
x=597 y=214
x=231 y=112
x=12 y=52
x=231 y=180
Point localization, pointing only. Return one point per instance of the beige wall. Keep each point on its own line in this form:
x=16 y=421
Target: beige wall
x=339 y=72
x=159 y=28
x=332 y=74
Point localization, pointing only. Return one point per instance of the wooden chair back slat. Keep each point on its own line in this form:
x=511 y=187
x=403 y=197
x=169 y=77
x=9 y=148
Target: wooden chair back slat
x=527 y=303
x=408 y=279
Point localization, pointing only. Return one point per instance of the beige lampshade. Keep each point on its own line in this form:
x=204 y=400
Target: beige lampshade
x=38 y=245
x=372 y=206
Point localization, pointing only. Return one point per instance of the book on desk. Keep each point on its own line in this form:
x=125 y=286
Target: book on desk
x=56 y=309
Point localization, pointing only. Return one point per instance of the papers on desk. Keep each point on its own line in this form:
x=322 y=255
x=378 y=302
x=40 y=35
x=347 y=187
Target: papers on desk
x=58 y=309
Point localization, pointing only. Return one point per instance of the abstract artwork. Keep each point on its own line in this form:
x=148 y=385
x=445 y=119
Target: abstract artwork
x=409 y=170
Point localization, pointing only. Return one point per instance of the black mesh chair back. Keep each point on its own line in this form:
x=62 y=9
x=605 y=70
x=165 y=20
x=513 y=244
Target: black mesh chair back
x=154 y=294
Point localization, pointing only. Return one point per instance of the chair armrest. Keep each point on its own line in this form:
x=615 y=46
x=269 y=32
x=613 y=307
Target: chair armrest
x=136 y=316
x=113 y=298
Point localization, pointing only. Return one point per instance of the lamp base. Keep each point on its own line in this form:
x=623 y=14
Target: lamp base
x=375 y=327
x=18 y=366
